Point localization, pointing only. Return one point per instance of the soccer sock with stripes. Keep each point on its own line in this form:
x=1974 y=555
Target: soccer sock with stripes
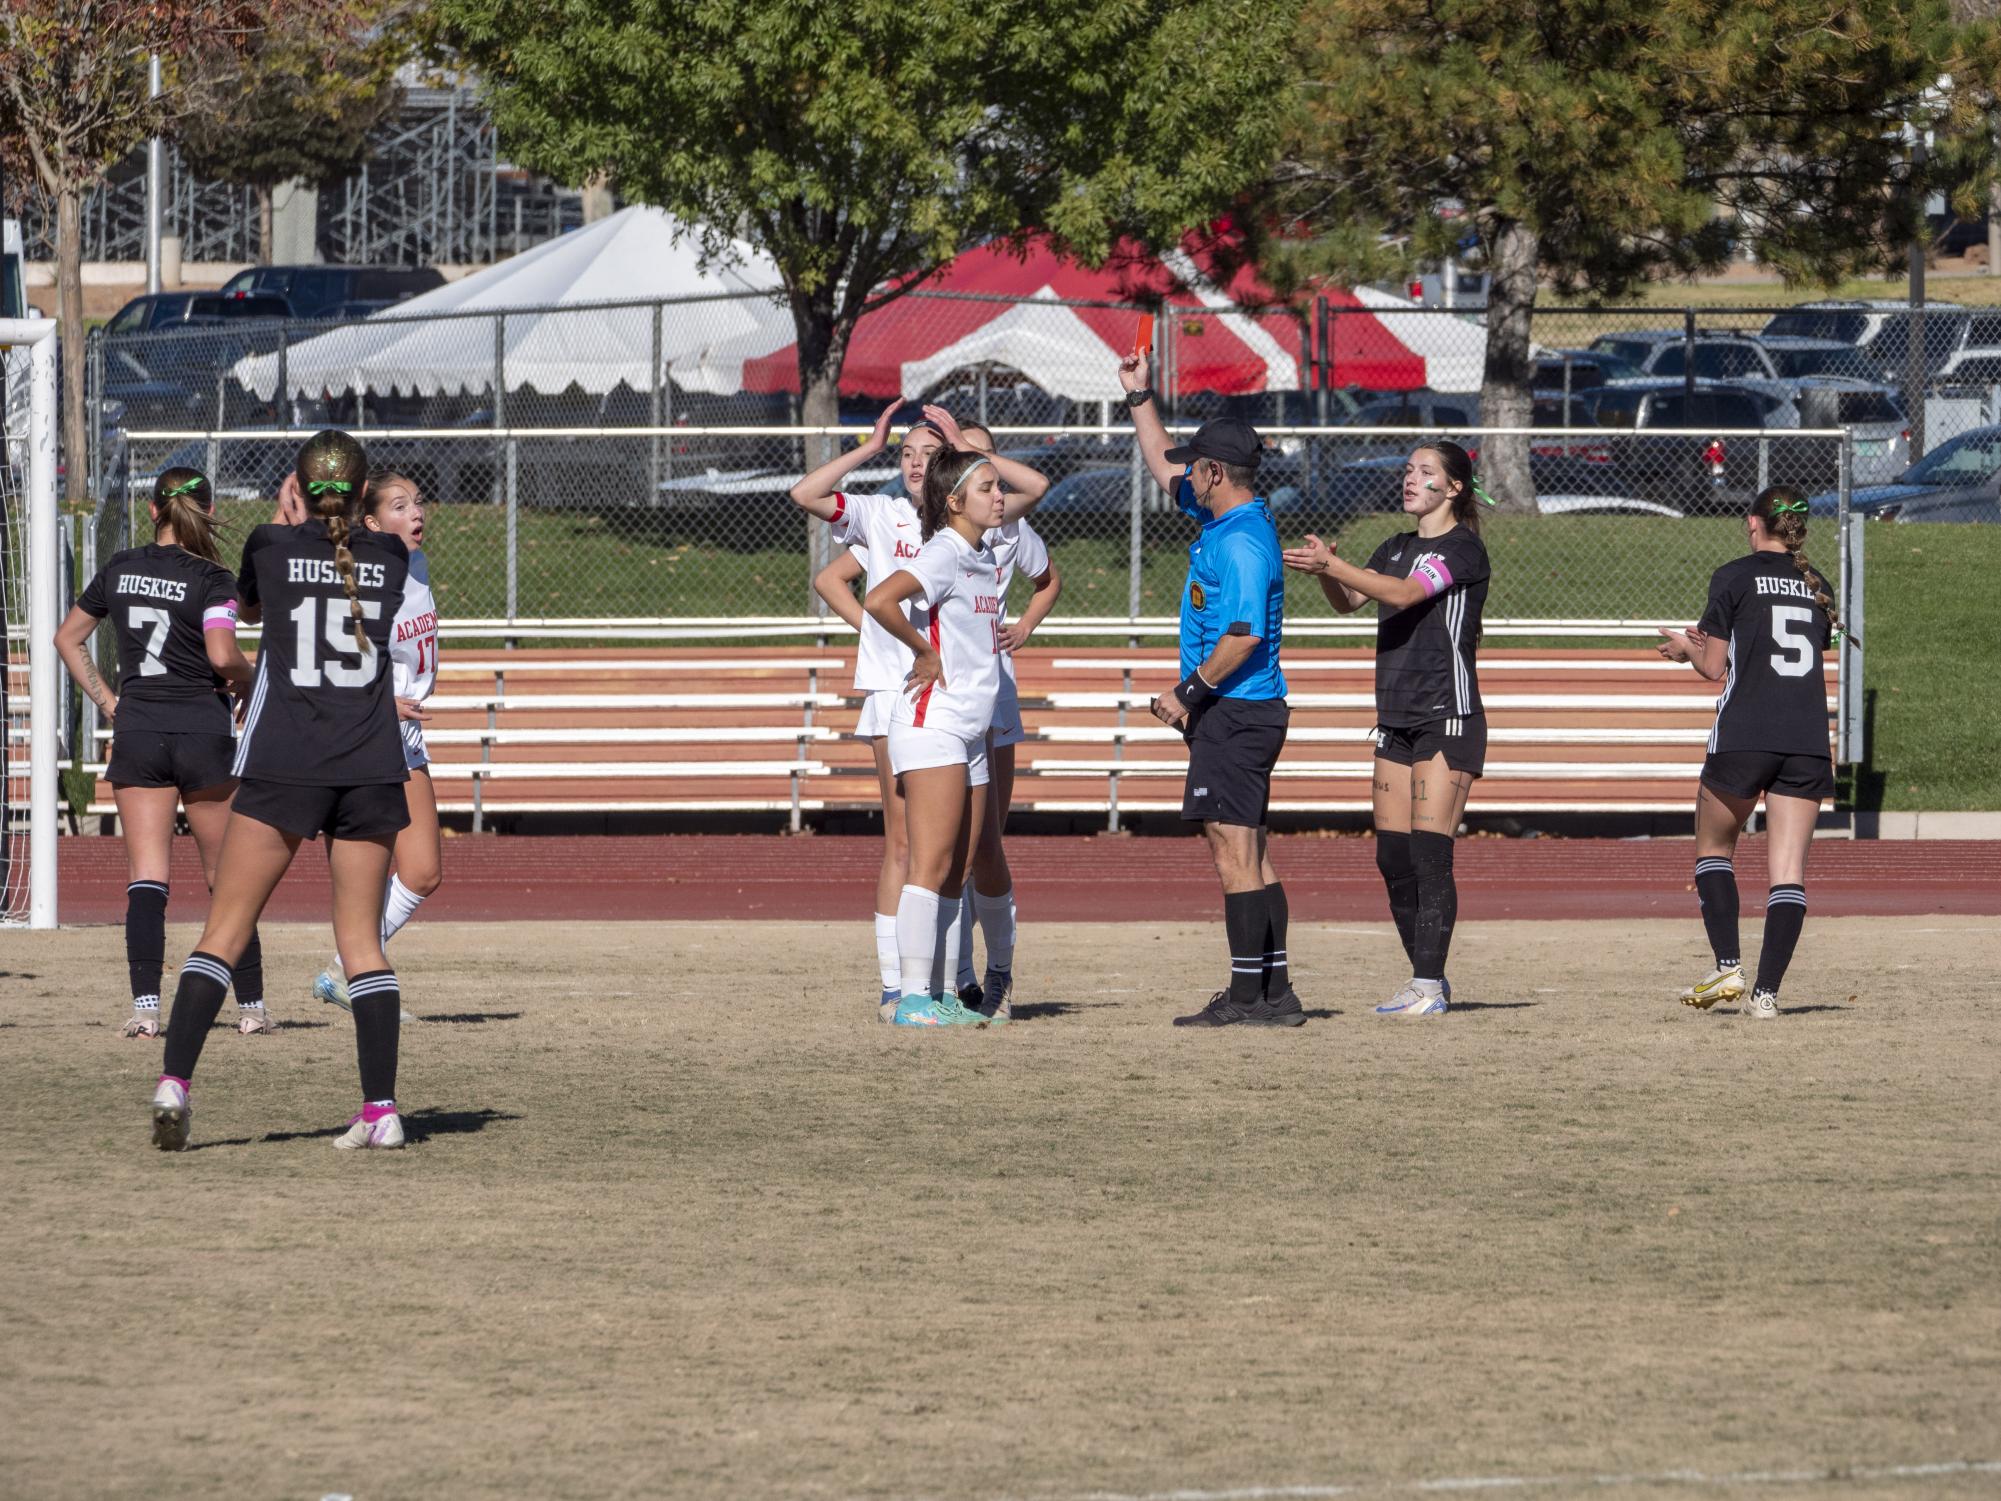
x=1393 y=860
x=997 y=924
x=197 y=1003
x=916 y=939
x=1278 y=973
x=378 y=1014
x=1785 y=915
x=146 y=940
x=888 y=956
x=965 y=949
x=1716 y=889
x=1245 y=921
x=1437 y=903
x=399 y=905
x=249 y=976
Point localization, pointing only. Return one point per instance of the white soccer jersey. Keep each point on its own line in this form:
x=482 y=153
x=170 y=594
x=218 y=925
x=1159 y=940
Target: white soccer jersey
x=885 y=531
x=960 y=595
x=413 y=642
x=1016 y=548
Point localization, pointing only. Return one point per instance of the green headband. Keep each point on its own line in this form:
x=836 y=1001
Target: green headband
x=321 y=486
x=967 y=475
x=185 y=487
x=1798 y=506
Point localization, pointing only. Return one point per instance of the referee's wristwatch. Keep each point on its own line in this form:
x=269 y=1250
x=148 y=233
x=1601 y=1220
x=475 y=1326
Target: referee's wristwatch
x=1139 y=398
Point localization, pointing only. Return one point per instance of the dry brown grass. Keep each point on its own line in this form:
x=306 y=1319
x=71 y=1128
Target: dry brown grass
x=688 y=1222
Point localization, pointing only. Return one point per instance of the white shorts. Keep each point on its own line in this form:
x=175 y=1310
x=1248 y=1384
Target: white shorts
x=914 y=749
x=875 y=713
x=1007 y=728
x=414 y=753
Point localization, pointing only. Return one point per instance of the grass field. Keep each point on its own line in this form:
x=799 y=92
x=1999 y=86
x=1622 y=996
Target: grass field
x=681 y=1219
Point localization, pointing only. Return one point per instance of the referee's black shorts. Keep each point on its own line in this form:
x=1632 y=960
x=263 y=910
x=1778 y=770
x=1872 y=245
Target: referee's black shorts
x=1233 y=744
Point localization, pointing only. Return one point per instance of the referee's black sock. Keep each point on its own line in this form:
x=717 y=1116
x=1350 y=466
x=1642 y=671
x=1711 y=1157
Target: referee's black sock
x=1716 y=889
x=197 y=1003
x=249 y=976
x=1785 y=915
x=1278 y=973
x=1246 y=922
x=1437 y=903
x=378 y=1015
x=1393 y=860
x=146 y=938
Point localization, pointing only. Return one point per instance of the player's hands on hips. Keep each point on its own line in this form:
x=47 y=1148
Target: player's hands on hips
x=1311 y=556
x=291 y=504
x=1136 y=370
x=1014 y=636
x=411 y=708
x=947 y=424
x=1170 y=710
x=927 y=669
x=878 y=438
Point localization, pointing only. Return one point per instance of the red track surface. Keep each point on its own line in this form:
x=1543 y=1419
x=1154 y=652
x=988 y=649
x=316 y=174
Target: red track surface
x=709 y=877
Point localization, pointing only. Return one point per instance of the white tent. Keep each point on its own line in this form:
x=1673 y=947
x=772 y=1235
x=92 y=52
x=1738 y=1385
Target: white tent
x=638 y=254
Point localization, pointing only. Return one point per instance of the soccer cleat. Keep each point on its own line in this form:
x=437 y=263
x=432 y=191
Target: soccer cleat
x=1762 y=1007
x=172 y=1116
x=141 y=1024
x=331 y=987
x=1272 y=1011
x=997 y=1003
x=1410 y=1001
x=934 y=1011
x=971 y=996
x=1725 y=984
x=886 y=1008
x=384 y=1133
x=251 y=1020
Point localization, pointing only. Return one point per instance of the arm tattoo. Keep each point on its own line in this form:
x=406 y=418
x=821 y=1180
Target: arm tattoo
x=94 y=685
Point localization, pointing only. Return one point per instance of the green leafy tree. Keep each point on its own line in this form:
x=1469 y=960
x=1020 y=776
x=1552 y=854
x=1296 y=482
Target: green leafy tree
x=1595 y=145
x=860 y=140
x=301 y=104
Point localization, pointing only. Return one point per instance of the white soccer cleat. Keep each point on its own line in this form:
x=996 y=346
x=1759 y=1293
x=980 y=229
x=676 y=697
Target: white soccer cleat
x=886 y=1008
x=1411 y=1001
x=1717 y=985
x=253 y=1020
x=384 y=1133
x=1762 y=1007
x=141 y=1024
x=331 y=987
x=172 y=1116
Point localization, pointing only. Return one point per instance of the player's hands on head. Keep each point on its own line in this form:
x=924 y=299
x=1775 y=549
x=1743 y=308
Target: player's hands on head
x=878 y=438
x=291 y=504
x=411 y=708
x=1135 y=371
x=927 y=669
x=947 y=424
x=1014 y=636
x=1311 y=556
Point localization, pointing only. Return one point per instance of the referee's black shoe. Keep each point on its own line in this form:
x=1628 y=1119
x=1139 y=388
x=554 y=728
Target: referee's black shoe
x=1268 y=1011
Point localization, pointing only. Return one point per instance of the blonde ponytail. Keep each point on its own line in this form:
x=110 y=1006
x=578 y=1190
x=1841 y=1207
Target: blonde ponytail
x=185 y=502
x=333 y=475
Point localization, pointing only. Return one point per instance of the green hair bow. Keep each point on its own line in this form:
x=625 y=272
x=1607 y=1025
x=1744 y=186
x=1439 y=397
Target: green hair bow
x=1480 y=492
x=321 y=486
x=1798 y=506
x=185 y=487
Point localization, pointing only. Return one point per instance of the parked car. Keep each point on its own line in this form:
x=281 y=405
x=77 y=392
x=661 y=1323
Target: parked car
x=1580 y=369
x=160 y=310
x=1711 y=468
x=1958 y=481
x=1856 y=321
x=317 y=291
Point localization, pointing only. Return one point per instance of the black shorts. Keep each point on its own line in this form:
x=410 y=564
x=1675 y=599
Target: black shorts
x=149 y=758
x=366 y=812
x=1233 y=743
x=1462 y=741
x=1789 y=774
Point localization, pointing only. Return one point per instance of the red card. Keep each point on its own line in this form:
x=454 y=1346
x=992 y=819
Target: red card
x=1143 y=335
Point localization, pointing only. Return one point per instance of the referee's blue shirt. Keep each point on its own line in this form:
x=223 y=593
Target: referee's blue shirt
x=1235 y=579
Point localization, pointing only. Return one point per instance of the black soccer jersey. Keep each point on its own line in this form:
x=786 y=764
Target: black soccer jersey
x=1424 y=654
x=1775 y=691
x=322 y=712
x=161 y=601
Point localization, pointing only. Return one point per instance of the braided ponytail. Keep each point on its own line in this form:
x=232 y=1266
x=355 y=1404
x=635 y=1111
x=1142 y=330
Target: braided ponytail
x=1784 y=510
x=183 y=500
x=333 y=475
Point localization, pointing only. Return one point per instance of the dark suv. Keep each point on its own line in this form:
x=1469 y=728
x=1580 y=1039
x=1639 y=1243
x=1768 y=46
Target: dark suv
x=159 y=310
x=336 y=291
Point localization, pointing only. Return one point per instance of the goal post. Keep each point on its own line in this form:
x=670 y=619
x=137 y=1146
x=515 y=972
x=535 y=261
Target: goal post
x=32 y=594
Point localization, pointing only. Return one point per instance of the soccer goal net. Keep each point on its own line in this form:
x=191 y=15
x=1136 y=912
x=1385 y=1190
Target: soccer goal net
x=30 y=593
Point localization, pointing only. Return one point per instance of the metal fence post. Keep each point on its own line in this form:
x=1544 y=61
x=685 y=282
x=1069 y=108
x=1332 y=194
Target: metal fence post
x=513 y=528
x=1135 y=533
x=499 y=402
x=281 y=399
x=94 y=440
x=1687 y=356
x=1848 y=735
x=659 y=380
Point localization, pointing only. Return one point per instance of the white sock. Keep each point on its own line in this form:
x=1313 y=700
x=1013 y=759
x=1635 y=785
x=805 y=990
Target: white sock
x=997 y=927
x=952 y=933
x=888 y=955
x=399 y=905
x=916 y=939
x=966 y=975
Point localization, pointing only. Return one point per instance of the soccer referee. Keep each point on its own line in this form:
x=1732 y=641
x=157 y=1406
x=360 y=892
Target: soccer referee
x=1230 y=703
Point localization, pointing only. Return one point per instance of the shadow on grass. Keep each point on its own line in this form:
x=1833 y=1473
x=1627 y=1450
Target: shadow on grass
x=1493 y=1005
x=1028 y=1011
x=471 y=1018
x=292 y=1026
x=418 y=1126
x=1822 y=1006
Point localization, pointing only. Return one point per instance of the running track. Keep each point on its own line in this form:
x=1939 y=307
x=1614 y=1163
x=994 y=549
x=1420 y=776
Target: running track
x=492 y=878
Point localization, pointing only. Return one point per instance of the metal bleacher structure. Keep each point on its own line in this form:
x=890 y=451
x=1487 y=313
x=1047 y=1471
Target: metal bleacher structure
x=768 y=730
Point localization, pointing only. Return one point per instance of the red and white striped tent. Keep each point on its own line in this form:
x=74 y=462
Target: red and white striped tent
x=995 y=309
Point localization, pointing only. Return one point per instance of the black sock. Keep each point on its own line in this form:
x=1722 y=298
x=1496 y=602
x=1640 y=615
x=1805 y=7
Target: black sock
x=1245 y=922
x=1716 y=889
x=1437 y=903
x=197 y=1003
x=1393 y=860
x=1785 y=915
x=378 y=1016
x=249 y=978
x=146 y=937
x=1278 y=972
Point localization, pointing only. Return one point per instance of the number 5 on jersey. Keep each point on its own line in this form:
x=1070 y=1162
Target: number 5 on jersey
x=344 y=667
x=1794 y=659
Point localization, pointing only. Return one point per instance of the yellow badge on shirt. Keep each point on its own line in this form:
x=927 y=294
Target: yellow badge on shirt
x=1197 y=598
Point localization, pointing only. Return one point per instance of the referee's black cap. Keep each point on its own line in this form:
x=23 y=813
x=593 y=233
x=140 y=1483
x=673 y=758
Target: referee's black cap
x=1226 y=440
